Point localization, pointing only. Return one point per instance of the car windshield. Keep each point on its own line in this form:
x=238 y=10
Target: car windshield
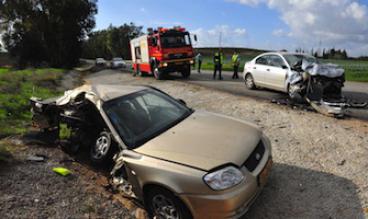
x=175 y=40
x=295 y=59
x=141 y=116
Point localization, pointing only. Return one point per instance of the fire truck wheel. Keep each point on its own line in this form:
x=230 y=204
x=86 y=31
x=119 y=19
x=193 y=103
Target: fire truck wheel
x=137 y=71
x=157 y=73
x=186 y=72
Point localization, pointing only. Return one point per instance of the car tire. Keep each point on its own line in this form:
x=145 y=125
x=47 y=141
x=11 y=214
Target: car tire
x=157 y=73
x=249 y=82
x=295 y=97
x=162 y=203
x=102 y=151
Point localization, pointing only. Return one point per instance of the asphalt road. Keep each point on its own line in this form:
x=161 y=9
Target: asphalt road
x=353 y=90
x=356 y=91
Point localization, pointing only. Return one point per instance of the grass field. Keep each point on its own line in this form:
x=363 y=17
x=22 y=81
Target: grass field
x=355 y=70
x=16 y=87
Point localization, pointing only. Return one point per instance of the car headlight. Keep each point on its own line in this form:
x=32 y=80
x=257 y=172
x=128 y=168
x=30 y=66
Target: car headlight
x=224 y=178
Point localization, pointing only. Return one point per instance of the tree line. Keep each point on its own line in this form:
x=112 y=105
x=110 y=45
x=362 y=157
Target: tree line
x=51 y=32
x=327 y=53
x=111 y=42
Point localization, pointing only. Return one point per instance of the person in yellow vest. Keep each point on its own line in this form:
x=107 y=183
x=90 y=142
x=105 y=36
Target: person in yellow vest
x=236 y=63
x=217 y=60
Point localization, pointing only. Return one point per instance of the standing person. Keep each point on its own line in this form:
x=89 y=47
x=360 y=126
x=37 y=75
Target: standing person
x=199 y=61
x=236 y=63
x=217 y=60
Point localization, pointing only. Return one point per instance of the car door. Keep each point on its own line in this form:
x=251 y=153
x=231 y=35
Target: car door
x=275 y=73
x=259 y=69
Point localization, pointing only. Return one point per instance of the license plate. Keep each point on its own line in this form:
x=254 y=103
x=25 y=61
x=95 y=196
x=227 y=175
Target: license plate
x=179 y=63
x=262 y=177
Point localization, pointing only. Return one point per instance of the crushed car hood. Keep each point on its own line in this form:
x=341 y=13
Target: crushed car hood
x=327 y=70
x=205 y=141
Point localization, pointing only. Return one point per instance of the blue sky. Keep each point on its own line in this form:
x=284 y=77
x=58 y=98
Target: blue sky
x=266 y=24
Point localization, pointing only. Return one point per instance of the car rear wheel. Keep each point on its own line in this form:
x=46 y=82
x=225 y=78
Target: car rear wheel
x=164 y=205
x=103 y=149
x=249 y=82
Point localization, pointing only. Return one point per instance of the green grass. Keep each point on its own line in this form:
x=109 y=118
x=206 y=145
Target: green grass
x=16 y=87
x=354 y=70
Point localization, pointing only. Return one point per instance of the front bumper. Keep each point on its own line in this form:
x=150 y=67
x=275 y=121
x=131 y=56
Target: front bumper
x=231 y=203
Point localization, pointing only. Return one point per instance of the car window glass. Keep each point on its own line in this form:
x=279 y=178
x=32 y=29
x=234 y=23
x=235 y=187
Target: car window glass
x=142 y=115
x=275 y=61
x=262 y=60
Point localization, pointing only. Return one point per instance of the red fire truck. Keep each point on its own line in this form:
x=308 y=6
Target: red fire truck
x=162 y=51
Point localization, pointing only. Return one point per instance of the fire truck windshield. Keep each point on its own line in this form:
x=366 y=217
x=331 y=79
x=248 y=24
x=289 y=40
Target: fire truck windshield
x=175 y=40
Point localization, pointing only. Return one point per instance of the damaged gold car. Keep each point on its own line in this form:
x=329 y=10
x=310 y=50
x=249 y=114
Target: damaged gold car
x=179 y=162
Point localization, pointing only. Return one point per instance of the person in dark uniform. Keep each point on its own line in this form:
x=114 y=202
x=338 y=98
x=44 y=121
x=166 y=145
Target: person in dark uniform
x=217 y=60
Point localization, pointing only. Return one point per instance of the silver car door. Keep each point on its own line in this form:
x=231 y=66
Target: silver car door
x=259 y=68
x=276 y=72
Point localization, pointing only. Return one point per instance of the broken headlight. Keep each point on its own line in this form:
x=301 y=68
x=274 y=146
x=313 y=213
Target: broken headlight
x=224 y=178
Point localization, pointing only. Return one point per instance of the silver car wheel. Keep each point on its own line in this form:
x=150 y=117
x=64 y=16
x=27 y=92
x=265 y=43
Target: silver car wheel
x=102 y=147
x=164 y=208
x=249 y=82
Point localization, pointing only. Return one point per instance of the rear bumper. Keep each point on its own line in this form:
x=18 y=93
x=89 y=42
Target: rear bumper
x=230 y=204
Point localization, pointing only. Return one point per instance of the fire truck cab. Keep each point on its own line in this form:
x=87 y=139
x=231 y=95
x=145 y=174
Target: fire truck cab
x=162 y=51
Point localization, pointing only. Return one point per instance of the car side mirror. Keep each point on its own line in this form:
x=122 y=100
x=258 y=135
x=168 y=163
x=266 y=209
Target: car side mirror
x=284 y=67
x=182 y=102
x=195 y=37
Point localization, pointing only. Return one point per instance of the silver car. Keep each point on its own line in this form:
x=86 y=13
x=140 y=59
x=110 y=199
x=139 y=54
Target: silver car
x=271 y=70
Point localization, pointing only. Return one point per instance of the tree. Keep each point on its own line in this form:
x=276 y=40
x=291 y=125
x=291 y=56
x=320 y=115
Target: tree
x=111 y=42
x=38 y=31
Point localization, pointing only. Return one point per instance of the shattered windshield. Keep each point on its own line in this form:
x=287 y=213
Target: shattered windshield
x=175 y=40
x=142 y=116
x=295 y=59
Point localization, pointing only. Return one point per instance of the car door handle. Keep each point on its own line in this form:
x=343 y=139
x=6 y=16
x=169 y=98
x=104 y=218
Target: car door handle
x=268 y=69
x=254 y=67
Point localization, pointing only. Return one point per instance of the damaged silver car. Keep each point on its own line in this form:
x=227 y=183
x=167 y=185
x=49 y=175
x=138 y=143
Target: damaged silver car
x=175 y=160
x=302 y=77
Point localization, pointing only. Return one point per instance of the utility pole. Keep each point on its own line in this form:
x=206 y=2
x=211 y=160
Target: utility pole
x=220 y=40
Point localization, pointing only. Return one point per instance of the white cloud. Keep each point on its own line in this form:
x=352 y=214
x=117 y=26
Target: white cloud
x=229 y=36
x=335 y=23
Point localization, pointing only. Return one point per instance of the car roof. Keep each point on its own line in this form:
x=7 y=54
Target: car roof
x=284 y=53
x=108 y=92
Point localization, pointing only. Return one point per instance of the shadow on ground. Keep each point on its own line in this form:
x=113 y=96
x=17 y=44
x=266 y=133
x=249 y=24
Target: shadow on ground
x=294 y=192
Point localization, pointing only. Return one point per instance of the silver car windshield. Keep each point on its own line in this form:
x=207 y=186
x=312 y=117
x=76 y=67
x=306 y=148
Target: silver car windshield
x=141 y=116
x=295 y=59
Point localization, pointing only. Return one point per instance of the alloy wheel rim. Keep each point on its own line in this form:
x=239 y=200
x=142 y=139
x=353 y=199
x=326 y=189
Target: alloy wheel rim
x=164 y=208
x=249 y=81
x=101 y=147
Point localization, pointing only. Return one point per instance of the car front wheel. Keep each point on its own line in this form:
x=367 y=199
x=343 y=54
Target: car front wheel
x=164 y=205
x=103 y=149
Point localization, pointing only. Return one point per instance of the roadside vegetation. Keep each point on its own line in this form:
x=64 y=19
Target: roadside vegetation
x=355 y=70
x=16 y=87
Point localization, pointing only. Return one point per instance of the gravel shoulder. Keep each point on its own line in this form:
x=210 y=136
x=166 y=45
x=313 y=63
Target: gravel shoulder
x=319 y=167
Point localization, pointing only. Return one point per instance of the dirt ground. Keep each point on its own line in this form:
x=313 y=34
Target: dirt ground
x=320 y=168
